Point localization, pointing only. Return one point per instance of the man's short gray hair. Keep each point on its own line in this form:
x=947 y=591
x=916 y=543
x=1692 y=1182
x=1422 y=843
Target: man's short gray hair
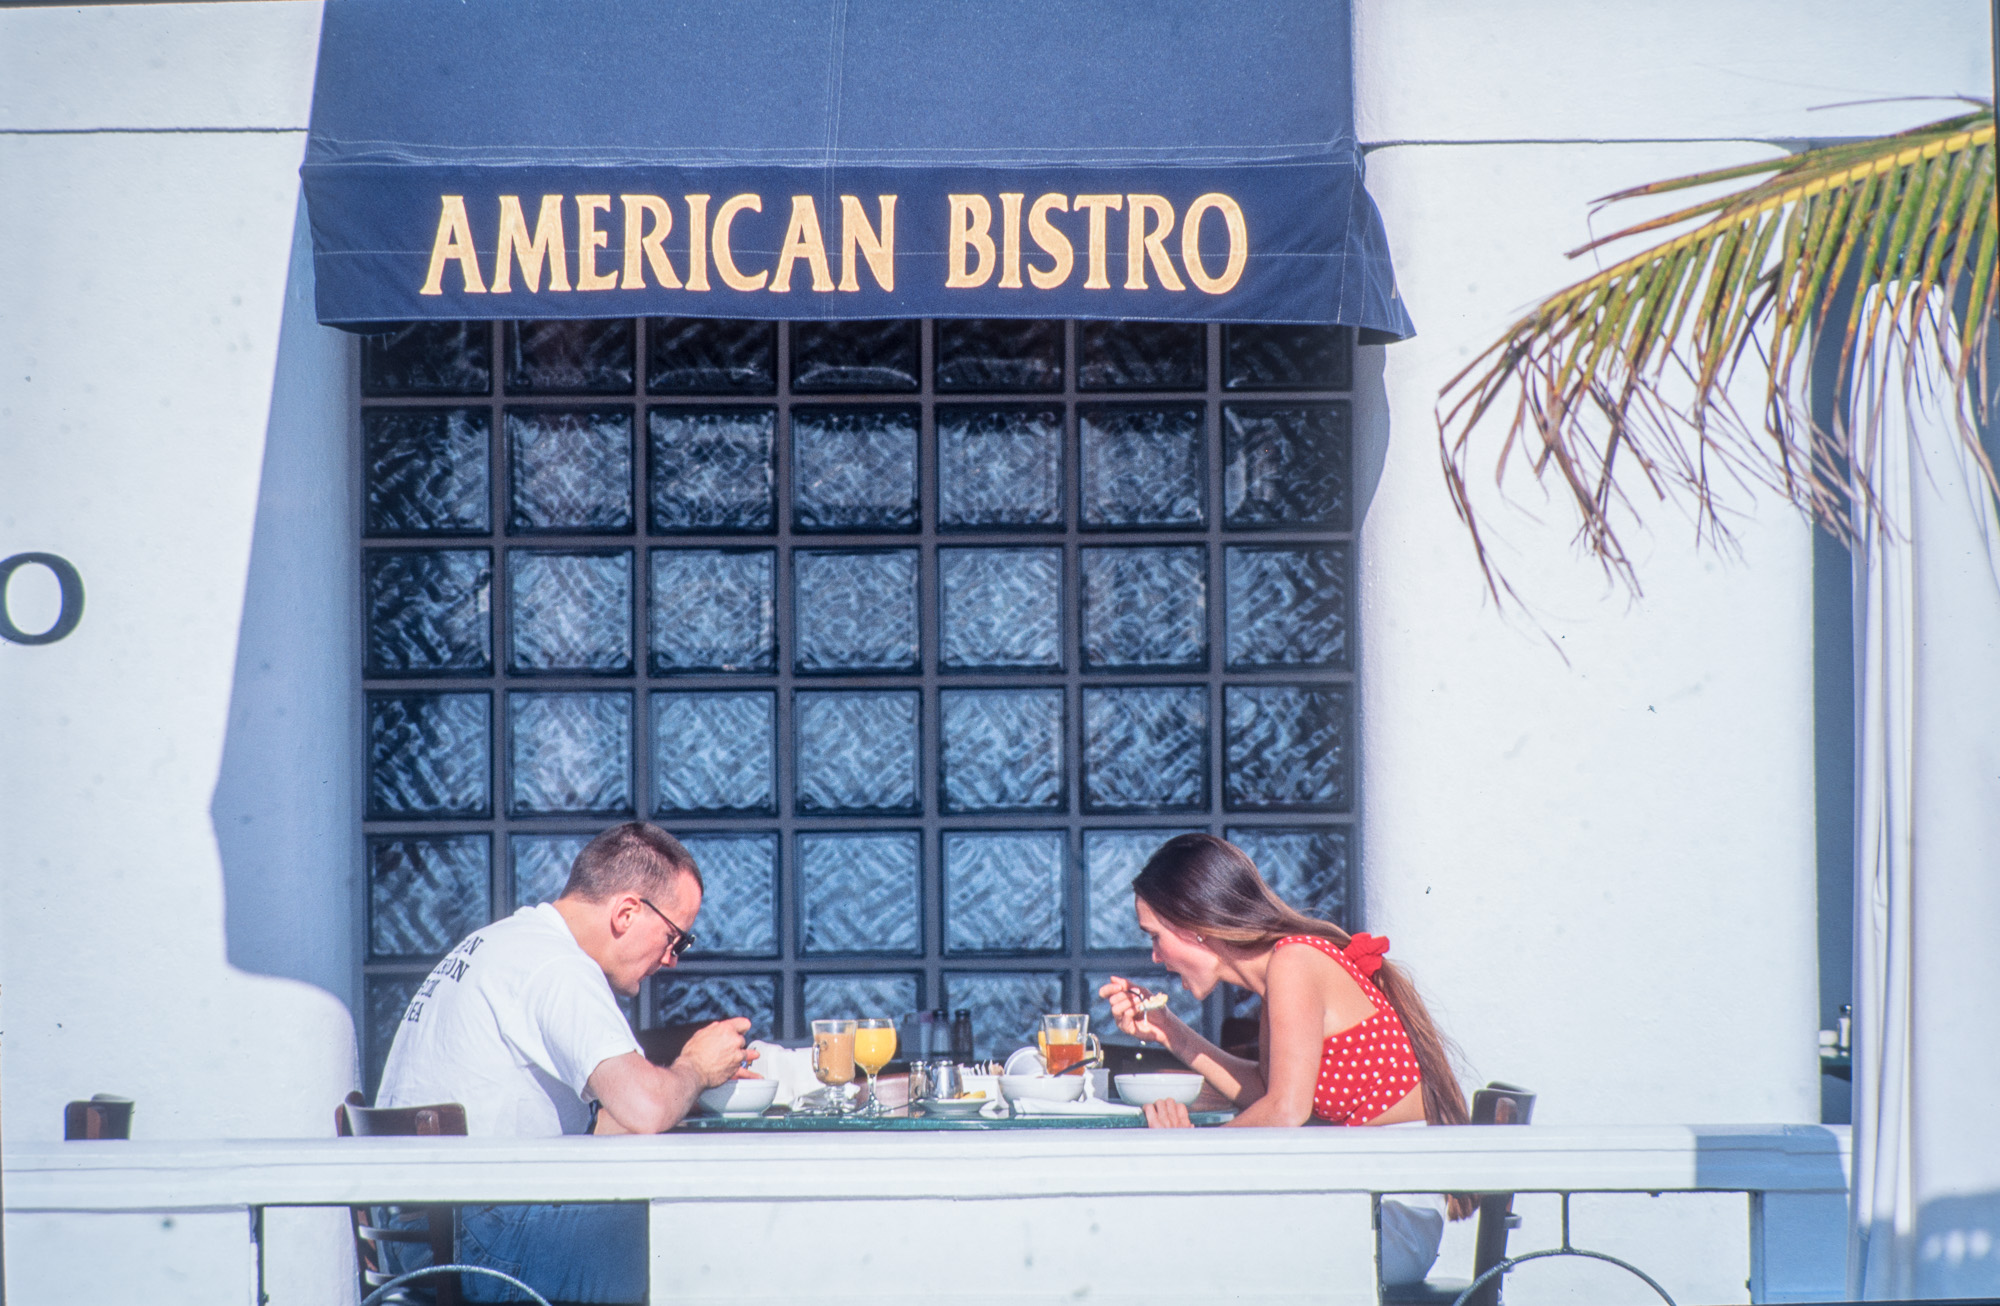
x=635 y=857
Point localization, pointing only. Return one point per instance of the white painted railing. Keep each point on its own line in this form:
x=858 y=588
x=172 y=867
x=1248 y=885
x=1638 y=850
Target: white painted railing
x=1281 y=1215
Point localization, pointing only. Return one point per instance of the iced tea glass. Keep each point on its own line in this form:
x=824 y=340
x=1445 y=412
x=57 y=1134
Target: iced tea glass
x=1065 y=1040
x=833 y=1060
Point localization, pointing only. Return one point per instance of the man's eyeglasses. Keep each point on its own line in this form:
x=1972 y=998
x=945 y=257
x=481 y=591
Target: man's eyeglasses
x=683 y=939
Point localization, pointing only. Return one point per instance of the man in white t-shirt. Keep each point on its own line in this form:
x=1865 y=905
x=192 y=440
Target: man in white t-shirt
x=520 y=1024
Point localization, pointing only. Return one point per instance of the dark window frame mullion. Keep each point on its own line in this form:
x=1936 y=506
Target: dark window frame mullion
x=499 y=481
x=640 y=596
x=930 y=709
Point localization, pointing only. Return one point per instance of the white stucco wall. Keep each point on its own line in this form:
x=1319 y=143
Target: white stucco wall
x=1601 y=869
x=177 y=776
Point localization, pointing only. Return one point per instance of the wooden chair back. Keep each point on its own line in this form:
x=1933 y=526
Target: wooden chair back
x=103 y=1116
x=354 y=1119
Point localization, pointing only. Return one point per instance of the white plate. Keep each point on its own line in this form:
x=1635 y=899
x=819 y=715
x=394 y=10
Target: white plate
x=958 y=1108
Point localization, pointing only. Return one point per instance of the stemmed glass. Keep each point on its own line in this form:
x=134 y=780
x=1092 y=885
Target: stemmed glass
x=874 y=1045
x=833 y=1061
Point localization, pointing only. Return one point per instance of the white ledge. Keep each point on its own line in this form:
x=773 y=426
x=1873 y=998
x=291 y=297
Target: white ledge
x=214 y=1174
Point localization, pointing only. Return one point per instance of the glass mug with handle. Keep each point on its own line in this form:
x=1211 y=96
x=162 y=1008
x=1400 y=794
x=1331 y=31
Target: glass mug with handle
x=833 y=1061
x=874 y=1047
x=1066 y=1040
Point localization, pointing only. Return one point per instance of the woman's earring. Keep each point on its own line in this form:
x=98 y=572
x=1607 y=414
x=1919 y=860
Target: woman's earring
x=1197 y=938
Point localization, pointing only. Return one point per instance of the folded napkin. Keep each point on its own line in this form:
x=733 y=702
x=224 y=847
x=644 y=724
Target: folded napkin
x=1089 y=1107
x=791 y=1067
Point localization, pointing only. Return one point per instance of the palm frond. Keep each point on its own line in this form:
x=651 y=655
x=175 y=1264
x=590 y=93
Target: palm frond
x=1632 y=368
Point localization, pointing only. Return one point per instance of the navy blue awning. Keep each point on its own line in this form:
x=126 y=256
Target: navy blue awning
x=1158 y=159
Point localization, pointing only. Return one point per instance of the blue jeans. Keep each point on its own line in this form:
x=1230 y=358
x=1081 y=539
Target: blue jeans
x=578 y=1252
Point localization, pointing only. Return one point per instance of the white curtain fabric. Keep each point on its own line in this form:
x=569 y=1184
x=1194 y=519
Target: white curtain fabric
x=1926 y=1198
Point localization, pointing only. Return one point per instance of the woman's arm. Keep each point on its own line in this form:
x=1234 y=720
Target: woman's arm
x=1237 y=1079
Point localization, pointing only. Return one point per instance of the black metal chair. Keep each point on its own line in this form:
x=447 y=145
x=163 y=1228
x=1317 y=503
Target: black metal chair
x=376 y=1228
x=1501 y=1104
x=1496 y=1104
x=372 y=1232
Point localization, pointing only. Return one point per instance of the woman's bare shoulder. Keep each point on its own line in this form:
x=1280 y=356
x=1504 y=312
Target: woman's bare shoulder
x=1309 y=970
x=1302 y=961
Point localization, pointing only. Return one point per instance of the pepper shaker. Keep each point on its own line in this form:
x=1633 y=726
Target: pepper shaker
x=961 y=1036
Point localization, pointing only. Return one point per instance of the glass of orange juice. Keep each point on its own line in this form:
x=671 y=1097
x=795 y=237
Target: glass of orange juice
x=833 y=1060
x=874 y=1045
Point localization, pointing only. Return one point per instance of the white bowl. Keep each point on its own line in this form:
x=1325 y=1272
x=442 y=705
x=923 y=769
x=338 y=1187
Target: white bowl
x=1138 y=1090
x=1041 y=1088
x=740 y=1097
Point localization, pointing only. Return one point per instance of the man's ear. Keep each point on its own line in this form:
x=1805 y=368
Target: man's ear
x=623 y=909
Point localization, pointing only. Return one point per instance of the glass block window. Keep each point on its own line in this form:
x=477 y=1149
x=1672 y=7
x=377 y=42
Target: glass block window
x=856 y=609
x=839 y=995
x=569 y=611
x=569 y=471
x=424 y=895
x=569 y=752
x=429 y=611
x=922 y=636
x=570 y=357
x=541 y=865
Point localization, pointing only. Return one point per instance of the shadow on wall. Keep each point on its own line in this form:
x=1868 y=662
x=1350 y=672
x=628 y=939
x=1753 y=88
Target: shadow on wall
x=1371 y=426
x=287 y=803
x=1958 y=1247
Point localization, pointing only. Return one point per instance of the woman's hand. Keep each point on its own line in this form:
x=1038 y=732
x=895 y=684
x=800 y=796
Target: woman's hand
x=1167 y=1114
x=1125 y=997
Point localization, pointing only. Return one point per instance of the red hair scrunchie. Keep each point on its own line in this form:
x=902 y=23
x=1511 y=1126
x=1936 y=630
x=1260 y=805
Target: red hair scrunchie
x=1365 y=951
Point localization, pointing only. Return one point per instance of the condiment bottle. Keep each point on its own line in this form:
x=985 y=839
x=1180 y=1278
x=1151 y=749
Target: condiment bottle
x=961 y=1035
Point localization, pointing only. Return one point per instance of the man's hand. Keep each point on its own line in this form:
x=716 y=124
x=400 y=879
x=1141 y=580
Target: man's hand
x=715 y=1053
x=639 y=1097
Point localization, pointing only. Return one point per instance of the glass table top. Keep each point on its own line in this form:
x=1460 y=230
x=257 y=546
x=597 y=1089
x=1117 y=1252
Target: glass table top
x=777 y=1120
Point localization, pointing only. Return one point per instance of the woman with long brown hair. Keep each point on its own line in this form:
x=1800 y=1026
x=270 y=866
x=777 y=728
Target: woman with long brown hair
x=1344 y=1038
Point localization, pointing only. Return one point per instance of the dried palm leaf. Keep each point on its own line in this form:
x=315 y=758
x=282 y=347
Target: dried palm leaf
x=1632 y=368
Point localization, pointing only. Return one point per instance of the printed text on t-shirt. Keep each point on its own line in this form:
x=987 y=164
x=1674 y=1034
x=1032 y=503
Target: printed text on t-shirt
x=452 y=968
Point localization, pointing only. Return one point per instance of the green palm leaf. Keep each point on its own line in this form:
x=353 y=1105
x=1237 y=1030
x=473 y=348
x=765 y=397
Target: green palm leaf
x=1631 y=368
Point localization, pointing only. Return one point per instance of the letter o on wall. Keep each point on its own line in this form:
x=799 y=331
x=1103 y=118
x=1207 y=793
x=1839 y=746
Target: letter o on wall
x=67 y=581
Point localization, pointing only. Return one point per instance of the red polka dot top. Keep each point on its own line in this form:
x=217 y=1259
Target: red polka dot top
x=1367 y=1068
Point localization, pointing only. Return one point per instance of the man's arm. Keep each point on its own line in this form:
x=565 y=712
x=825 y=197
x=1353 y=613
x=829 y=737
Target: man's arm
x=639 y=1097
